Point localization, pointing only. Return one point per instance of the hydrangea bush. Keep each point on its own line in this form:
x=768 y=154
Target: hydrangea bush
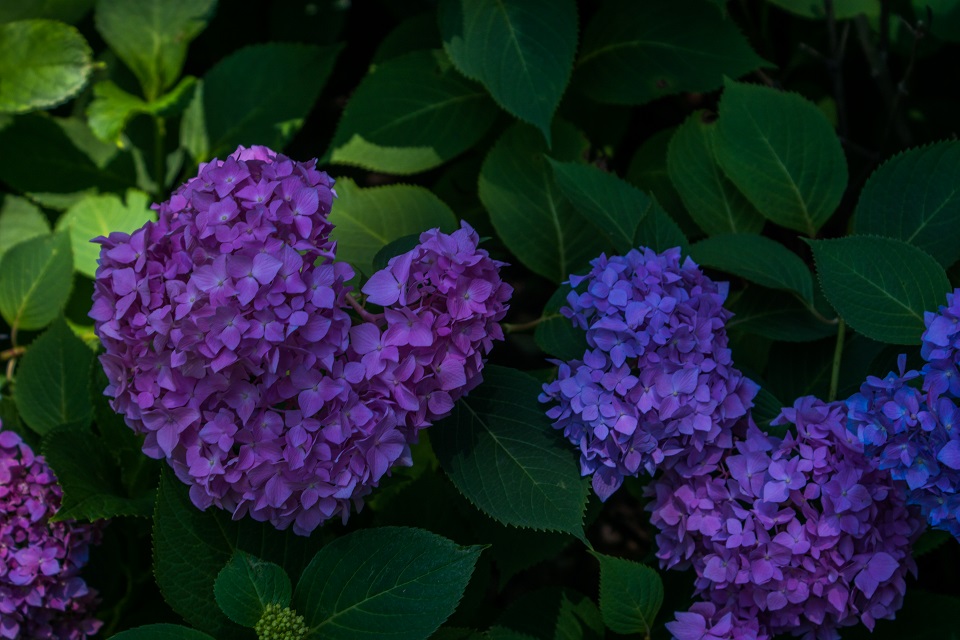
x=672 y=283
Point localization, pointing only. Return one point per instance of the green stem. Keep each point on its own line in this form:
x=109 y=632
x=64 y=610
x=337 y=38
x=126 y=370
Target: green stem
x=514 y=327
x=159 y=161
x=837 y=356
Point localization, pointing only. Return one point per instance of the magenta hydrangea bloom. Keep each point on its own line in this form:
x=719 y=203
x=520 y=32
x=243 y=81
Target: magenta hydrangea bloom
x=657 y=387
x=228 y=344
x=41 y=592
x=803 y=534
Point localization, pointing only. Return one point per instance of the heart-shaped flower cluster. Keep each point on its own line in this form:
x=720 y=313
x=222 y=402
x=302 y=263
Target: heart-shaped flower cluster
x=802 y=533
x=229 y=344
x=657 y=387
x=41 y=592
x=914 y=432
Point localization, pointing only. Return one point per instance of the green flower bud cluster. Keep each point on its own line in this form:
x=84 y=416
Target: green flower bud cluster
x=280 y=623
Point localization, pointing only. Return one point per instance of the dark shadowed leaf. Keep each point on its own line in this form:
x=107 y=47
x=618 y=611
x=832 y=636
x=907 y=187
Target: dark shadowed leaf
x=38 y=275
x=527 y=207
x=557 y=335
x=659 y=232
x=648 y=170
x=42 y=63
x=410 y=114
x=880 y=286
x=20 y=220
x=388 y=582
x=776 y=315
x=521 y=50
x=500 y=451
x=841 y=8
x=247 y=585
x=915 y=197
x=68 y=11
x=635 y=52
x=162 y=632
x=712 y=200
x=630 y=595
x=782 y=154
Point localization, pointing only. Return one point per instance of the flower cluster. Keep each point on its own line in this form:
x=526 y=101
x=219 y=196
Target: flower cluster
x=657 y=387
x=911 y=431
x=41 y=592
x=228 y=343
x=802 y=533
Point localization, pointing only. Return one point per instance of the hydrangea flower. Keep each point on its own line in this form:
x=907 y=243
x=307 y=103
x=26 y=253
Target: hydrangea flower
x=912 y=431
x=657 y=387
x=704 y=622
x=803 y=534
x=228 y=344
x=41 y=592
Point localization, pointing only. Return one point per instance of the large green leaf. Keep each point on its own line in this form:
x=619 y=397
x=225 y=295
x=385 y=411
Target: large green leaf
x=528 y=209
x=151 y=36
x=659 y=232
x=630 y=595
x=47 y=392
x=161 y=631
x=781 y=152
x=880 y=286
x=614 y=206
x=389 y=582
x=20 y=220
x=648 y=171
x=247 y=585
x=42 y=63
x=410 y=114
x=366 y=220
x=841 y=8
x=36 y=282
x=712 y=200
x=96 y=216
x=635 y=52
x=557 y=335
x=112 y=107
x=521 y=50
x=915 y=197
x=500 y=451
x=190 y=547
x=757 y=259
x=90 y=478
x=45 y=155
x=68 y=11
x=257 y=95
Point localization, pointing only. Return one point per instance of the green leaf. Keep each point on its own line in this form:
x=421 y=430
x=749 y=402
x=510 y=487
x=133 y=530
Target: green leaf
x=419 y=33
x=635 y=52
x=500 y=450
x=945 y=17
x=151 y=36
x=659 y=232
x=880 y=286
x=90 y=478
x=578 y=619
x=915 y=197
x=757 y=259
x=393 y=249
x=777 y=316
x=37 y=276
x=712 y=200
x=161 y=632
x=366 y=220
x=191 y=547
x=528 y=209
x=112 y=107
x=648 y=171
x=389 y=582
x=766 y=407
x=69 y=11
x=20 y=220
x=96 y=216
x=521 y=50
x=44 y=155
x=247 y=585
x=613 y=205
x=630 y=595
x=931 y=540
x=842 y=9
x=781 y=152
x=557 y=335
x=257 y=95
x=410 y=114
x=47 y=392
x=43 y=63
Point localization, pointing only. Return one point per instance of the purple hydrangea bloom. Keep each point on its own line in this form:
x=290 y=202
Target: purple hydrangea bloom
x=41 y=592
x=229 y=346
x=657 y=387
x=705 y=622
x=803 y=534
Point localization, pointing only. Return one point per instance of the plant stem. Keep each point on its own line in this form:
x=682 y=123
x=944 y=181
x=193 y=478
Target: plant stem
x=837 y=357
x=14 y=350
x=514 y=327
x=363 y=313
x=159 y=162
